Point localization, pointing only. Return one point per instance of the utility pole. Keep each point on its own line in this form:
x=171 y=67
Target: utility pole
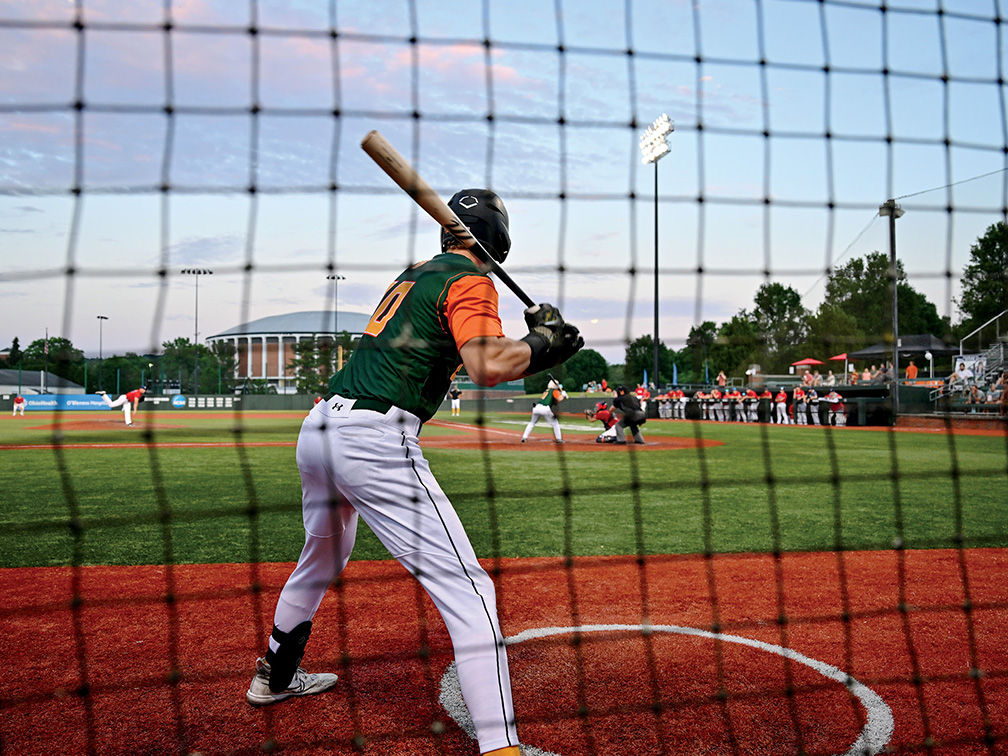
x=653 y=146
x=893 y=211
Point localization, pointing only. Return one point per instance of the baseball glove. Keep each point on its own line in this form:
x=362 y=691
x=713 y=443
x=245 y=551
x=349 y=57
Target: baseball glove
x=589 y=413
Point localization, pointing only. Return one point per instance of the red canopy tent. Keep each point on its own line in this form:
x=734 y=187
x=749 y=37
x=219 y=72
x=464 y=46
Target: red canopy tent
x=846 y=369
x=805 y=364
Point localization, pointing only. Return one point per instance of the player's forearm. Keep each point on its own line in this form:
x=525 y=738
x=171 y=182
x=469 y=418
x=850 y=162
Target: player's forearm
x=495 y=360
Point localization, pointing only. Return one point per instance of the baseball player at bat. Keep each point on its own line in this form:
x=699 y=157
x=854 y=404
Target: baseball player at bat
x=545 y=409
x=358 y=456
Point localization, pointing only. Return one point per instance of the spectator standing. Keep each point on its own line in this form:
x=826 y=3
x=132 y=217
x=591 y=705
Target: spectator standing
x=722 y=379
x=911 y=371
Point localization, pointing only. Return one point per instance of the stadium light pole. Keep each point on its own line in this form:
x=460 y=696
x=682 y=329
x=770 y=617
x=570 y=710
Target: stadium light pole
x=196 y=272
x=893 y=211
x=101 y=318
x=335 y=278
x=653 y=147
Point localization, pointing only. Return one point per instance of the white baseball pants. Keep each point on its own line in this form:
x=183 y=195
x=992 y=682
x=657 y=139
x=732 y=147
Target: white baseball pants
x=782 y=416
x=362 y=462
x=123 y=402
x=801 y=414
x=542 y=412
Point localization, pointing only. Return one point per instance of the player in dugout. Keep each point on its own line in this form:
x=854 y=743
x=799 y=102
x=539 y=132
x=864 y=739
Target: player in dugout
x=358 y=455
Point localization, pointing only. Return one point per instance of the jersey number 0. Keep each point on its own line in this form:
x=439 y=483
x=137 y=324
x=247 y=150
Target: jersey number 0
x=387 y=307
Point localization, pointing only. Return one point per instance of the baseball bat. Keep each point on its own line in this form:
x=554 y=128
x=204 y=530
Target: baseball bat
x=411 y=182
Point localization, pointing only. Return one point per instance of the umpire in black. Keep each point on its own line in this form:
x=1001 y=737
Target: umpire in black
x=631 y=415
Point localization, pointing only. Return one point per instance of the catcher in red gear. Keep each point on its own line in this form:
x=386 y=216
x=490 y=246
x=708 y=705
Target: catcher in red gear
x=603 y=414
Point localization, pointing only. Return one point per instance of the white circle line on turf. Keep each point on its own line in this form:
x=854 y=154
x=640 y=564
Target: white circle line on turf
x=874 y=736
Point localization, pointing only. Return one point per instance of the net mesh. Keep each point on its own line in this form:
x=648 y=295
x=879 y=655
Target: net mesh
x=151 y=137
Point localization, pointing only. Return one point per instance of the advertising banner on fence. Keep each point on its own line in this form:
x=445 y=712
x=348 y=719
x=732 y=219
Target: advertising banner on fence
x=64 y=402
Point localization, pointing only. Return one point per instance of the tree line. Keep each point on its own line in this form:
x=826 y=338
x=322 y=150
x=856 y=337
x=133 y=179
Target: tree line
x=856 y=312
x=180 y=366
x=778 y=330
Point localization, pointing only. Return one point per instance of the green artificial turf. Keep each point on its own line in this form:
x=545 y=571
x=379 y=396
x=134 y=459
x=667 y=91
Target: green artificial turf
x=762 y=488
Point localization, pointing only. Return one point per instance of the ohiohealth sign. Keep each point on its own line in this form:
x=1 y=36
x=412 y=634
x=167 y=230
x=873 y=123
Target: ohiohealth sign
x=64 y=402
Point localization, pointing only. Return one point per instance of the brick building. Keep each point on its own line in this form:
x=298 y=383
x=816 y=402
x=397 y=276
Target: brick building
x=264 y=347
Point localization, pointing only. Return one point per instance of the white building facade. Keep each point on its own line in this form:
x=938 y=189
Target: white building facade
x=264 y=348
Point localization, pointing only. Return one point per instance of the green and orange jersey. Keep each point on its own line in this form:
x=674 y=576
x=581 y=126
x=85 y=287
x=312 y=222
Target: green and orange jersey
x=551 y=397
x=409 y=351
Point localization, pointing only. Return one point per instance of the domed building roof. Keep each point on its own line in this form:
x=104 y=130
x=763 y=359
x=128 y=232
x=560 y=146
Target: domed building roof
x=307 y=322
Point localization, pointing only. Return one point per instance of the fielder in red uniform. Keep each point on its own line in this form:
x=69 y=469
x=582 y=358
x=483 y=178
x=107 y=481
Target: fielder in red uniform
x=19 y=405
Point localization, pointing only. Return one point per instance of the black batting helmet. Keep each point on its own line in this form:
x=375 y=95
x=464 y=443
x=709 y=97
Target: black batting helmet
x=484 y=214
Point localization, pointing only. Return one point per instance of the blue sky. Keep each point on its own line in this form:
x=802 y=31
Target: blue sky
x=744 y=133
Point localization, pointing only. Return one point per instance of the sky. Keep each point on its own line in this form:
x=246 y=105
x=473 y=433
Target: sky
x=127 y=153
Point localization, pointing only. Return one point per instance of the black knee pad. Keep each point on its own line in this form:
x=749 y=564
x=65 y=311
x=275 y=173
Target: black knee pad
x=285 y=661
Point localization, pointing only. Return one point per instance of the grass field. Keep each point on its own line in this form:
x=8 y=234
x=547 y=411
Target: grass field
x=223 y=487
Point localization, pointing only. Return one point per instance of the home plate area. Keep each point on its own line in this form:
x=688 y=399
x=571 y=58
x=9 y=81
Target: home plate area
x=440 y=434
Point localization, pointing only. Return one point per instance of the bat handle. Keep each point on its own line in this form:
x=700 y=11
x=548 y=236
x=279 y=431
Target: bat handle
x=509 y=282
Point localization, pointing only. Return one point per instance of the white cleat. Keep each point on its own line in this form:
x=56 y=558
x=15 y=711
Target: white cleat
x=303 y=684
